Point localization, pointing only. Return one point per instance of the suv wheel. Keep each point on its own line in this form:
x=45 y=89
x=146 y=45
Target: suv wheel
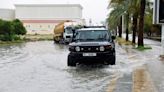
x=71 y=62
x=113 y=60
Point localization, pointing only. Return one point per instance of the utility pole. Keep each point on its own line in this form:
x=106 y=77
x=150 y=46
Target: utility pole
x=162 y=41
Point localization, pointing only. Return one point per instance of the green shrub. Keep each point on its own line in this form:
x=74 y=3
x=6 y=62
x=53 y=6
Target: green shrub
x=18 y=27
x=10 y=30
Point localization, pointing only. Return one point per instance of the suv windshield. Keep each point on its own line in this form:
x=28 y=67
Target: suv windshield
x=95 y=35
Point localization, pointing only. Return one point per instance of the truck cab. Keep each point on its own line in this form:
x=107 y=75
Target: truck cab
x=68 y=34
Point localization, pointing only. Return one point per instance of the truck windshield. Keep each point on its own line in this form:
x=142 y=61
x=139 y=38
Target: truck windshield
x=94 y=35
x=68 y=30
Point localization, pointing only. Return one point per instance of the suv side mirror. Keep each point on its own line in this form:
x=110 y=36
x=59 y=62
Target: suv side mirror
x=113 y=37
x=73 y=38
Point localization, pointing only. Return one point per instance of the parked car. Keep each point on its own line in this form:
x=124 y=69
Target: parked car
x=92 y=44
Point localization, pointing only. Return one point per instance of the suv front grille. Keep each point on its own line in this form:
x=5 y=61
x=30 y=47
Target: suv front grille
x=89 y=49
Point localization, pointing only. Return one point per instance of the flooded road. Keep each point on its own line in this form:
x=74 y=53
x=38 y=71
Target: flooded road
x=42 y=67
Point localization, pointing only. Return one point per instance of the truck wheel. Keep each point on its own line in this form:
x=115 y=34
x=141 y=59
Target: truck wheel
x=70 y=61
x=55 y=40
x=61 y=41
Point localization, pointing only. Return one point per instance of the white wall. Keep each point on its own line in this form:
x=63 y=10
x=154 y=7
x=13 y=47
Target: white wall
x=38 y=15
x=7 y=14
x=48 y=11
x=39 y=28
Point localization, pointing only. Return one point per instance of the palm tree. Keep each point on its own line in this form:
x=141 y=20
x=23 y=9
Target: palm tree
x=141 y=22
x=134 y=27
x=135 y=9
x=127 y=26
x=130 y=6
x=119 y=9
x=114 y=25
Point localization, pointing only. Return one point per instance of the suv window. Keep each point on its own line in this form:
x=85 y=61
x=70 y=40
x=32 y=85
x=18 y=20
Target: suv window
x=94 y=35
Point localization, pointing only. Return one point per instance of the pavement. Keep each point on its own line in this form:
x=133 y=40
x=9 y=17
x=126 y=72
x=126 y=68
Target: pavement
x=150 y=76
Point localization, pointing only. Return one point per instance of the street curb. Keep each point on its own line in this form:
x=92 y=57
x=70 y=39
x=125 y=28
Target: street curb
x=142 y=81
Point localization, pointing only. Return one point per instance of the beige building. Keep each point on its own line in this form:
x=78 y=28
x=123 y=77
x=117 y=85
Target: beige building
x=42 y=18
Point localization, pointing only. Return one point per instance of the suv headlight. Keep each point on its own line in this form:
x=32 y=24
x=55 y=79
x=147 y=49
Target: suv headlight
x=108 y=47
x=102 y=48
x=77 y=49
x=71 y=48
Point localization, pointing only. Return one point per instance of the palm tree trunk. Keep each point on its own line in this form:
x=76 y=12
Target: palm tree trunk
x=116 y=31
x=141 y=23
x=134 y=28
x=127 y=27
x=120 y=27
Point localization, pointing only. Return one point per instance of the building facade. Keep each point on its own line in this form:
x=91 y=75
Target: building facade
x=7 y=14
x=42 y=18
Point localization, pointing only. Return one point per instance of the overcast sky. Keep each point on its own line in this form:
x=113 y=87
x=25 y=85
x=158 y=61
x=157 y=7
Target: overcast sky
x=94 y=9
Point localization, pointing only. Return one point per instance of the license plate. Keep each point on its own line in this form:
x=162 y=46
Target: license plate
x=89 y=54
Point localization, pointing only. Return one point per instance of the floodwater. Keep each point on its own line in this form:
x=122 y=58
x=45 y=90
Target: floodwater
x=42 y=67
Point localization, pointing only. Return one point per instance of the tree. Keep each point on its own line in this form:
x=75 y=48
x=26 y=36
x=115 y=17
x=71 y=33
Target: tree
x=10 y=30
x=120 y=27
x=134 y=27
x=130 y=6
x=119 y=9
x=19 y=29
x=1 y=25
x=6 y=31
x=127 y=26
x=141 y=23
x=136 y=10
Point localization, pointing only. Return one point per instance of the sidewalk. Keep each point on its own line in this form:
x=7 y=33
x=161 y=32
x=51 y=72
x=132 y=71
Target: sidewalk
x=146 y=41
x=154 y=66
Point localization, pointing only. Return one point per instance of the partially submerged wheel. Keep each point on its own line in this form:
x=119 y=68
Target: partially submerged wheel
x=71 y=61
x=111 y=61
